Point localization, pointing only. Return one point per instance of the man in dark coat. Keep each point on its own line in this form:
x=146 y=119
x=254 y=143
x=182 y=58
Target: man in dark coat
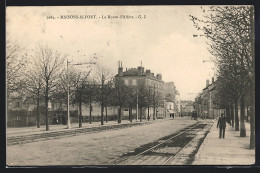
x=222 y=126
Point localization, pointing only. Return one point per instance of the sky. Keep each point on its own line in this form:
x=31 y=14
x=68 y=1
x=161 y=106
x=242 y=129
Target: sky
x=163 y=41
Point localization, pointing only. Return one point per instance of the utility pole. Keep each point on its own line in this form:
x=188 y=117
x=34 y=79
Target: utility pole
x=38 y=105
x=68 y=94
x=102 y=99
x=80 y=105
x=137 y=104
x=68 y=97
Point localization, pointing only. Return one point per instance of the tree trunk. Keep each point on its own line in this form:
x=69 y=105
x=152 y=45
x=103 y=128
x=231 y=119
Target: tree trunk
x=252 y=81
x=141 y=113
x=46 y=110
x=232 y=114
x=252 y=114
x=27 y=119
x=131 y=114
x=106 y=115
x=119 y=115
x=102 y=114
x=242 y=116
x=80 y=113
x=90 y=110
x=228 y=116
x=247 y=113
x=153 y=113
x=236 y=117
x=148 y=116
x=38 y=110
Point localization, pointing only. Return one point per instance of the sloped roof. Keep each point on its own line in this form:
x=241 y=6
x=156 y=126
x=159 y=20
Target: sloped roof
x=131 y=72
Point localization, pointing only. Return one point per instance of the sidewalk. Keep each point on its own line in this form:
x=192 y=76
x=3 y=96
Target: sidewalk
x=55 y=128
x=233 y=150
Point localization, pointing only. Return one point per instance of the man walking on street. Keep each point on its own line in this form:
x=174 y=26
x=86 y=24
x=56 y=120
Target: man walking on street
x=222 y=126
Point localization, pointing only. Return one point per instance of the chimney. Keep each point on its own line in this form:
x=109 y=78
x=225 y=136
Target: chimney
x=159 y=76
x=152 y=74
x=207 y=83
x=139 y=70
x=148 y=72
x=212 y=79
x=120 y=69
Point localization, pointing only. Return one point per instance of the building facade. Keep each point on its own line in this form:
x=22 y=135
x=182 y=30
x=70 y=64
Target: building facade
x=205 y=102
x=187 y=107
x=171 y=94
x=137 y=78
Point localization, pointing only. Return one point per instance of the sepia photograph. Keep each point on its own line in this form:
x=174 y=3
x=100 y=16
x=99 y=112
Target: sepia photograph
x=119 y=86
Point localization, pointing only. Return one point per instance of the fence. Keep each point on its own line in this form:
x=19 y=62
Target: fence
x=24 y=118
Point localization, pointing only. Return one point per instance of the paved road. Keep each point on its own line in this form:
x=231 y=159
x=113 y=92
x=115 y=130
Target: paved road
x=101 y=148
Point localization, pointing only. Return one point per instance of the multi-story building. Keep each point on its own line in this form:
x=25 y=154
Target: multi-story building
x=187 y=107
x=177 y=103
x=205 y=105
x=170 y=91
x=137 y=77
x=171 y=94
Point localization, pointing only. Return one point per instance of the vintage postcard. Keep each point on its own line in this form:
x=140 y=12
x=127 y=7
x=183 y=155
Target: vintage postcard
x=130 y=85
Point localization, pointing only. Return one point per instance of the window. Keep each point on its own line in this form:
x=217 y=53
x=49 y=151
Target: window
x=126 y=81
x=17 y=104
x=134 y=82
x=130 y=82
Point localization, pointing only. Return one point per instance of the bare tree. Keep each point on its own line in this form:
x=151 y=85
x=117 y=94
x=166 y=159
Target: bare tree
x=16 y=60
x=142 y=99
x=103 y=78
x=90 y=95
x=131 y=100
x=33 y=87
x=81 y=85
x=119 y=96
x=156 y=100
x=50 y=64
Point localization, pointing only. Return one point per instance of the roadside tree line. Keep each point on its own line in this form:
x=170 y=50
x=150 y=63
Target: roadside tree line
x=229 y=31
x=46 y=73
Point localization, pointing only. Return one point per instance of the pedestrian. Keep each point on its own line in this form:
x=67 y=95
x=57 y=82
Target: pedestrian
x=222 y=126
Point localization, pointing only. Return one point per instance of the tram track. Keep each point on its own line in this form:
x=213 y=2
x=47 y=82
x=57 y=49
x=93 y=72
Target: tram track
x=164 y=150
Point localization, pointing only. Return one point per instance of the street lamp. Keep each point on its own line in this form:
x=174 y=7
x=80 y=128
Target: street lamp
x=68 y=90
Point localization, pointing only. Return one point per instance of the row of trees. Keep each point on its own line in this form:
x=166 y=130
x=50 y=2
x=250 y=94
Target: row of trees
x=230 y=36
x=42 y=73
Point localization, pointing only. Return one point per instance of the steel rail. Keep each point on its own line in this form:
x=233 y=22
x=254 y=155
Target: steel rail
x=151 y=148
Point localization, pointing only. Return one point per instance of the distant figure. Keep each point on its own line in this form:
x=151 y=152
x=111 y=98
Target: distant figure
x=194 y=115
x=222 y=126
